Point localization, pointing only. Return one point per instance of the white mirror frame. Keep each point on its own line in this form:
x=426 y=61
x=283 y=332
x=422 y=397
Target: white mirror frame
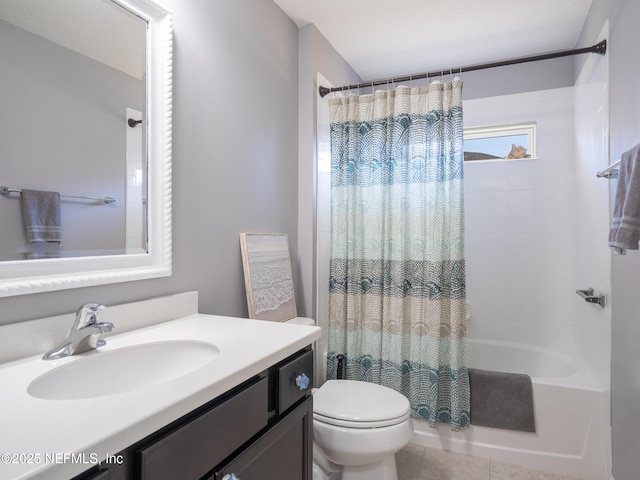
x=32 y=276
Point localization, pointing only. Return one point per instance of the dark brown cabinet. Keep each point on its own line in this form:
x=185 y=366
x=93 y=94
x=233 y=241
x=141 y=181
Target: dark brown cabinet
x=193 y=449
x=259 y=429
x=284 y=452
x=100 y=474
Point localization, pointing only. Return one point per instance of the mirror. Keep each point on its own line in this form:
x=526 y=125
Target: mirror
x=87 y=115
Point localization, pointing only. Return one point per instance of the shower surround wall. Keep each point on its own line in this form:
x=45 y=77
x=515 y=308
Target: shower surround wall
x=537 y=231
x=520 y=226
x=593 y=268
x=536 y=228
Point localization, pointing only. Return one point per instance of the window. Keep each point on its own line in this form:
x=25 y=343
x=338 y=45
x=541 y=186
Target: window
x=500 y=142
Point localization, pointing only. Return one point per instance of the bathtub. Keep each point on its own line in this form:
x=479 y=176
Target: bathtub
x=570 y=416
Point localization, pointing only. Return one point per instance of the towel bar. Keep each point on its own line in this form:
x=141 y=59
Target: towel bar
x=591 y=296
x=6 y=190
x=611 y=171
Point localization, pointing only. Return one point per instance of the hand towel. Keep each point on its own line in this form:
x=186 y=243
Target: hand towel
x=625 y=226
x=41 y=215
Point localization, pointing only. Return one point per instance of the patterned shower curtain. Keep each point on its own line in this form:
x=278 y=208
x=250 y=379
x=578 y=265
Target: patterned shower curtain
x=397 y=273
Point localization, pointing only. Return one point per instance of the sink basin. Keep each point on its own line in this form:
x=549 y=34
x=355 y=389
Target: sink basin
x=100 y=373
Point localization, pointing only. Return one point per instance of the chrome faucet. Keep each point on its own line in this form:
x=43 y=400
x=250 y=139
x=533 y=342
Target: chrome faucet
x=85 y=333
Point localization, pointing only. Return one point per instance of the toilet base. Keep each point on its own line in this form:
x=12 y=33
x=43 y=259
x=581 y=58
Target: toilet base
x=321 y=474
x=383 y=469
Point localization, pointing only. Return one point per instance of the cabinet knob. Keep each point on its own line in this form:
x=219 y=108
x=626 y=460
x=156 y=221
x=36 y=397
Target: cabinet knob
x=230 y=476
x=302 y=381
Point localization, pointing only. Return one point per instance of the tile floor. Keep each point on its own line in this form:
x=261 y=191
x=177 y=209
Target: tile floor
x=416 y=462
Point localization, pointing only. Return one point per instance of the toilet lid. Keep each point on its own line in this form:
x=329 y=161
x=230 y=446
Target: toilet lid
x=348 y=401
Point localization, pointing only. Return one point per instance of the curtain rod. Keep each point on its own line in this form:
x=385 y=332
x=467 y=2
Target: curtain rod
x=599 y=48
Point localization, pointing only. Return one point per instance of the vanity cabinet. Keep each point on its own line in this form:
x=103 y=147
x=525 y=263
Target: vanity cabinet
x=102 y=473
x=284 y=452
x=259 y=430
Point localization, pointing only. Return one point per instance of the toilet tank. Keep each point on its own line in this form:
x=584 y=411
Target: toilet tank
x=320 y=361
x=302 y=321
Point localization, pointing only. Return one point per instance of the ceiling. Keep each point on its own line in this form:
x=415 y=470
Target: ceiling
x=382 y=38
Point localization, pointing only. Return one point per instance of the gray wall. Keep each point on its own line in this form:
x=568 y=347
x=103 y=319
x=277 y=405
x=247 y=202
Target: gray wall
x=234 y=155
x=62 y=125
x=623 y=16
x=526 y=77
x=315 y=55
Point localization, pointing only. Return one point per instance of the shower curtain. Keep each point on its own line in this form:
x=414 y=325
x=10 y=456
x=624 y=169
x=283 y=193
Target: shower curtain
x=397 y=273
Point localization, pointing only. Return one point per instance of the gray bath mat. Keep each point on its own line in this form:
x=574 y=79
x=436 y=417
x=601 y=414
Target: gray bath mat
x=501 y=400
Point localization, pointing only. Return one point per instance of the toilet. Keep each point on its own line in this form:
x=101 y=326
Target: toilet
x=357 y=427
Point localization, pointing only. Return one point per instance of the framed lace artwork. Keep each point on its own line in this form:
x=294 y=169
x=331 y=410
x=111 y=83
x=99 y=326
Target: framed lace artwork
x=267 y=276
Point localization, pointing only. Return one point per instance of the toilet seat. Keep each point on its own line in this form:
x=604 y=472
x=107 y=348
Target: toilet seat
x=355 y=404
x=347 y=424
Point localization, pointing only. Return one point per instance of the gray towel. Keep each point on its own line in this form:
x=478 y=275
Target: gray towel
x=501 y=400
x=41 y=215
x=625 y=226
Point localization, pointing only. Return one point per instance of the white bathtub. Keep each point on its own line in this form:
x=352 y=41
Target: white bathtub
x=570 y=436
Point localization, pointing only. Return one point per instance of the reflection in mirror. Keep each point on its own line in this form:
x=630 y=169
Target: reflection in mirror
x=85 y=129
x=71 y=70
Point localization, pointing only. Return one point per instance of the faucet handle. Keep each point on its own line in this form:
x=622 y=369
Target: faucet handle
x=88 y=314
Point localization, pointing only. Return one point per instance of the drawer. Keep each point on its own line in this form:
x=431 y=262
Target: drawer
x=100 y=474
x=284 y=452
x=198 y=446
x=287 y=391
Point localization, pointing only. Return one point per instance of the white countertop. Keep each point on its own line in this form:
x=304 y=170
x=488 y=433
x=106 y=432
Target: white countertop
x=45 y=438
